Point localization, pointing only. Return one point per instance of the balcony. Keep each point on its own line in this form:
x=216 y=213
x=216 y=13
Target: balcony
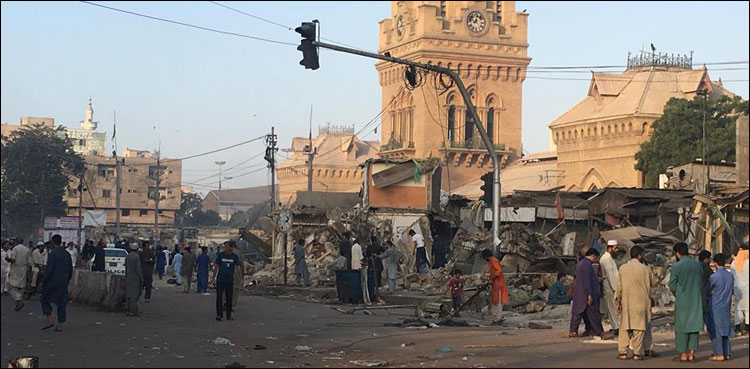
x=395 y=149
x=473 y=152
x=472 y=144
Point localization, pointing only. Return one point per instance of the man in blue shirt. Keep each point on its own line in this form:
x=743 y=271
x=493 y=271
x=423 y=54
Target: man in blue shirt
x=225 y=263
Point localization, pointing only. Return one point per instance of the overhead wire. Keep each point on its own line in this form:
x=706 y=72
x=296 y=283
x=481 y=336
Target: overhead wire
x=276 y=23
x=201 y=154
x=190 y=25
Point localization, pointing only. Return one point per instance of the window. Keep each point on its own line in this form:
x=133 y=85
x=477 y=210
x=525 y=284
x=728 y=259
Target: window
x=106 y=193
x=143 y=213
x=72 y=192
x=442 y=9
x=161 y=212
x=451 y=122
x=491 y=124
x=468 y=127
x=126 y=212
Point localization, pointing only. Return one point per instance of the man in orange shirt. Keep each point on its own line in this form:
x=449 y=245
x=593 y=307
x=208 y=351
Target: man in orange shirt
x=497 y=281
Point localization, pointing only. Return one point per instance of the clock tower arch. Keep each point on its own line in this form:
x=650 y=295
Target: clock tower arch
x=485 y=42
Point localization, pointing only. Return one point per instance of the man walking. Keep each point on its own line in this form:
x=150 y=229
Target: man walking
x=300 y=266
x=633 y=294
x=685 y=283
x=497 y=282
x=202 y=264
x=99 y=255
x=586 y=297
x=73 y=253
x=133 y=280
x=161 y=262
x=188 y=263
x=20 y=262
x=177 y=266
x=4 y=256
x=609 y=285
x=57 y=275
x=147 y=264
x=741 y=292
x=225 y=264
x=239 y=278
x=391 y=257
x=719 y=290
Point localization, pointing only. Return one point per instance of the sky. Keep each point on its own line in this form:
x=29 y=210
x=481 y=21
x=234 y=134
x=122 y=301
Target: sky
x=193 y=91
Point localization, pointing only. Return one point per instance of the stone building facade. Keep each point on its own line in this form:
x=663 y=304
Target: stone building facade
x=138 y=189
x=485 y=42
x=336 y=163
x=597 y=139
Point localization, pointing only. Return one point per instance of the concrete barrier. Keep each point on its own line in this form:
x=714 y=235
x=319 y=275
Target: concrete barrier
x=104 y=290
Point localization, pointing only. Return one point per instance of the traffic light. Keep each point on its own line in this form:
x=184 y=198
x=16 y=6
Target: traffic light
x=309 y=50
x=487 y=188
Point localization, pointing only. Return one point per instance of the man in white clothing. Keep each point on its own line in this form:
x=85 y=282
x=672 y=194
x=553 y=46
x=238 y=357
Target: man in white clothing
x=610 y=279
x=357 y=256
x=739 y=270
x=73 y=253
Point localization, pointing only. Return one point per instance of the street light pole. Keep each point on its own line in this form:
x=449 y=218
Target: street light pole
x=706 y=165
x=218 y=194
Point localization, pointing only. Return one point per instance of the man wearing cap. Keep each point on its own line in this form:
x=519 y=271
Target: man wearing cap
x=610 y=279
x=133 y=279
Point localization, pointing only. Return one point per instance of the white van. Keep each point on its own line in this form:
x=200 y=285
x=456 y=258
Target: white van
x=114 y=260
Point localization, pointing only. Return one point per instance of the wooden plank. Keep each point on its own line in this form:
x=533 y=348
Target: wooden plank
x=394 y=174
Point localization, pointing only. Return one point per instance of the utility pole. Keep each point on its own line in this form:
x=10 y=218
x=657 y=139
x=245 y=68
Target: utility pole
x=157 y=193
x=271 y=159
x=310 y=154
x=117 y=180
x=80 y=205
x=706 y=164
x=118 y=186
x=309 y=46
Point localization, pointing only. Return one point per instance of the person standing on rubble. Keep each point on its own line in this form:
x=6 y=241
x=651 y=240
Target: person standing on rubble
x=417 y=241
x=610 y=280
x=633 y=295
x=300 y=264
x=739 y=270
x=685 y=284
x=391 y=258
x=357 y=256
x=586 y=297
x=498 y=286
x=373 y=260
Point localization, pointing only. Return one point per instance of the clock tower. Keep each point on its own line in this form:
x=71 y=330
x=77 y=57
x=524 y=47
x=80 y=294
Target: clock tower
x=485 y=42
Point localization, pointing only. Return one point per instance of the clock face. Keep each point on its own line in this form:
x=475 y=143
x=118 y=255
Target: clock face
x=400 y=26
x=476 y=22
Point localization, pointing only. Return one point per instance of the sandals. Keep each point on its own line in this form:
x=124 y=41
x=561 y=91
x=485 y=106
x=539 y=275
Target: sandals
x=637 y=357
x=48 y=327
x=716 y=358
x=622 y=357
x=573 y=335
x=19 y=306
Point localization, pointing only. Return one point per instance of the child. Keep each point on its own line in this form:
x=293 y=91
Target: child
x=456 y=287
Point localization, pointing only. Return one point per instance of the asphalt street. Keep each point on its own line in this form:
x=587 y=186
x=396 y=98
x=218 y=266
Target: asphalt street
x=179 y=330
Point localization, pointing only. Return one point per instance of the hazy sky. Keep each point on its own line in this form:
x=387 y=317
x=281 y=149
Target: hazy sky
x=196 y=91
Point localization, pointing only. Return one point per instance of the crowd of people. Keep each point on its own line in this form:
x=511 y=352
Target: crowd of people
x=704 y=291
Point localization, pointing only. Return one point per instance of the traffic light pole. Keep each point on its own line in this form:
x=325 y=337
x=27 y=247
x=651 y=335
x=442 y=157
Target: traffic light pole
x=471 y=108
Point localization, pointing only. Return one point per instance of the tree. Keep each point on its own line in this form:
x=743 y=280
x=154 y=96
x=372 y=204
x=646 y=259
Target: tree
x=191 y=212
x=678 y=134
x=37 y=164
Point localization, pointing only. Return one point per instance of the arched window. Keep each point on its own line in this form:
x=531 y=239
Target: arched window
x=451 y=123
x=468 y=127
x=491 y=124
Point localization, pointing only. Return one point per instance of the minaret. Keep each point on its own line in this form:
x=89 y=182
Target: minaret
x=89 y=124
